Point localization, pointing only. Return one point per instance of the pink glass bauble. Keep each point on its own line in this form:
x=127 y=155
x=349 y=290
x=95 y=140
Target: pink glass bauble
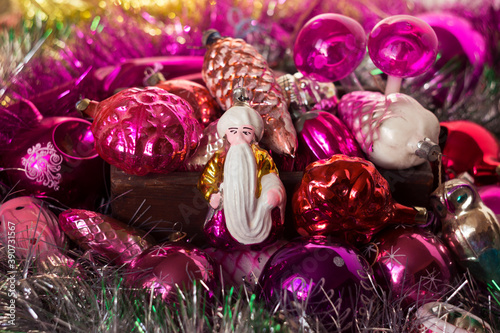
x=491 y=197
x=30 y=228
x=167 y=267
x=402 y=46
x=323 y=135
x=112 y=239
x=471 y=148
x=210 y=142
x=348 y=198
x=143 y=130
x=411 y=263
x=57 y=159
x=243 y=267
x=316 y=274
x=329 y=47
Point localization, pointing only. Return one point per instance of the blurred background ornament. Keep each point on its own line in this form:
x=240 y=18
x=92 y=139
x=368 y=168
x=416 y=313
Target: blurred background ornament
x=165 y=268
x=469 y=228
x=321 y=277
x=231 y=63
x=490 y=195
x=31 y=229
x=143 y=130
x=348 y=198
x=329 y=47
x=469 y=147
x=114 y=240
x=57 y=159
x=394 y=131
x=411 y=264
x=439 y=317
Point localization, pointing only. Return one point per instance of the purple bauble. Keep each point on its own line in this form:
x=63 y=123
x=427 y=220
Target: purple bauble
x=412 y=264
x=56 y=159
x=402 y=46
x=314 y=274
x=491 y=197
x=168 y=266
x=329 y=47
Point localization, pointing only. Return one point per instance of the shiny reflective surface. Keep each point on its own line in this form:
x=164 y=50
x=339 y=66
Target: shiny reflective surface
x=35 y=231
x=166 y=267
x=316 y=274
x=471 y=148
x=412 y=264
x=210 y=143
x=104 y=235
x=402 y=46
x=469 y=228
x=329 y=47
x=142 y=130
x=205 y=108
x=346 y=197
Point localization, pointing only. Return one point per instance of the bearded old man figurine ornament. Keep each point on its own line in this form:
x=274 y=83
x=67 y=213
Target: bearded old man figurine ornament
x=241 y=183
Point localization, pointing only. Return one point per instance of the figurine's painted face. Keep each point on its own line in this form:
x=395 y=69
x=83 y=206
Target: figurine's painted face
x=240 y=134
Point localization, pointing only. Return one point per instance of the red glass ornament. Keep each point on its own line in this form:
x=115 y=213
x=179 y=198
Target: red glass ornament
x=142 y=130
x=347 y=197
x=471 y=148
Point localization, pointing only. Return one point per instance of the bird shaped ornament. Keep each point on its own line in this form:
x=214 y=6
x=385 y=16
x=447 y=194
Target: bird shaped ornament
x=231 y=63
x=469 y=228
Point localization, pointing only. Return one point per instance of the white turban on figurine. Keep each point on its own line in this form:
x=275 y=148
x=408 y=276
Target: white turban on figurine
x=240 y=115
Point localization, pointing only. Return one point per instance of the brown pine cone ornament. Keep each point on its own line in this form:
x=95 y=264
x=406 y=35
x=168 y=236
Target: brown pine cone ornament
x=231 y=63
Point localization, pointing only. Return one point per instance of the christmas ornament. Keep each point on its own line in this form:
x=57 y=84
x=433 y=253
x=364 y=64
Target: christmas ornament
x=142 y=130
x=230 y=63
x=469 y=228
x=112 y=239
x=402 y=46
x=167 y=267
x=490 y=195
x=29 y=229
x=394 y=131
x=471 y=148
x=412 y=264
x=347 y=197
x=439 y=317
x=244 y=266
x=205 y=108
x=56 y=159
x=241 y=183
x=329 y=47
x=319 y=277
x=307 y=93
x=210 y=143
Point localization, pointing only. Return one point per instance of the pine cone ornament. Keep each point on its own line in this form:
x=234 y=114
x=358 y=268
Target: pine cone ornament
x=230 y=63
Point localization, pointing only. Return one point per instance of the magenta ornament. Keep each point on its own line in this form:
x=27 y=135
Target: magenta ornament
x=313 y=275
x=412 y=264
x=210 y=143
x=31 y=229
x=114 y=240
x=167 y=267
x=329 y=47
x=143 y=130
x=490 y=195
x=57 y=159
x=402 y=46
x=323 y=135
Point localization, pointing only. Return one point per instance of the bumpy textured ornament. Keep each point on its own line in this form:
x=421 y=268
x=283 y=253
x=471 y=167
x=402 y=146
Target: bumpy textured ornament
x=394 y=131
x=167 y=267
x=205 y=108
x=323 y=278
x=471 y=148
x=142 y=130
x=31 y=229
x=210 y=143
x=56 y=158
x=469 y=228
x=329 y=47
x=347 y=197
x=411 y=263
x=439 y=317
x=231 y=63
x=104 y=235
